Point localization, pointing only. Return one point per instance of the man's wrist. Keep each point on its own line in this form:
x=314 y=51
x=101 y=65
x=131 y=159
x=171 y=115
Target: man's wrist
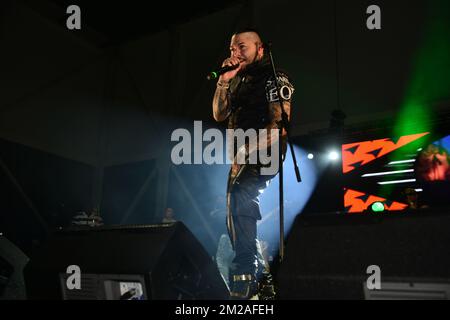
x=223 y=84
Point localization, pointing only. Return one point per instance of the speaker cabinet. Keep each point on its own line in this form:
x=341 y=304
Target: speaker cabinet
x=328 y=256
x=158 y=262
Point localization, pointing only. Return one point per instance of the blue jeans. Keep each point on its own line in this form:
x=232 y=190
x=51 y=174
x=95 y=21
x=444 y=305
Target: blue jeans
x=243 y=213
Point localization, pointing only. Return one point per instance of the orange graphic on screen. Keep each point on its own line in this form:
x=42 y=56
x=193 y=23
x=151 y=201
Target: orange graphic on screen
x=356 y=201
x=355 y=155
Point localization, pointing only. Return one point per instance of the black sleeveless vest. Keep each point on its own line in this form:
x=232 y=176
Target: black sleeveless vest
x=248 y=99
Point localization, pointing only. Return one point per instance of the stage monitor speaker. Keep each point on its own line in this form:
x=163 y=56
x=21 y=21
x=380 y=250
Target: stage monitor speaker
x=156 y=262
x=12 y=262
x=336 y=256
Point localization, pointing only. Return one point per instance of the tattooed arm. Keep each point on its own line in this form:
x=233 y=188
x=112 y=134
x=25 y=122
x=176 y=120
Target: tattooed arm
x=221 y=104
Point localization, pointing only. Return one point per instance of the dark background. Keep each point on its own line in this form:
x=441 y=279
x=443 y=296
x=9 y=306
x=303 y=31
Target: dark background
x=86 y=115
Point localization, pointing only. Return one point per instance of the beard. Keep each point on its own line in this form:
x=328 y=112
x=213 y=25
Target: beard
x=251 y=62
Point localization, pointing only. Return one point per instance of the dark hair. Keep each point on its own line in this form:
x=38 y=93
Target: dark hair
x=249 y=29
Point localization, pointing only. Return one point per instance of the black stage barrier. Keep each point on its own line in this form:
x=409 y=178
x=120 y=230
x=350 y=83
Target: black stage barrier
x=328 y=256
x=155 y=262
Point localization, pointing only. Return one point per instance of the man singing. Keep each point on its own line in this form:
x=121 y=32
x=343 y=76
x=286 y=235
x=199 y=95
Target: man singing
x=247 y=96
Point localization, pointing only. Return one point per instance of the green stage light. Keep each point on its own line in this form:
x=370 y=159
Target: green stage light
x=377 y=206
x=428 y=81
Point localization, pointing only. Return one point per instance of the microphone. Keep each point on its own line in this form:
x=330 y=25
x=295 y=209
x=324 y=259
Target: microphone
x=215 y=74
